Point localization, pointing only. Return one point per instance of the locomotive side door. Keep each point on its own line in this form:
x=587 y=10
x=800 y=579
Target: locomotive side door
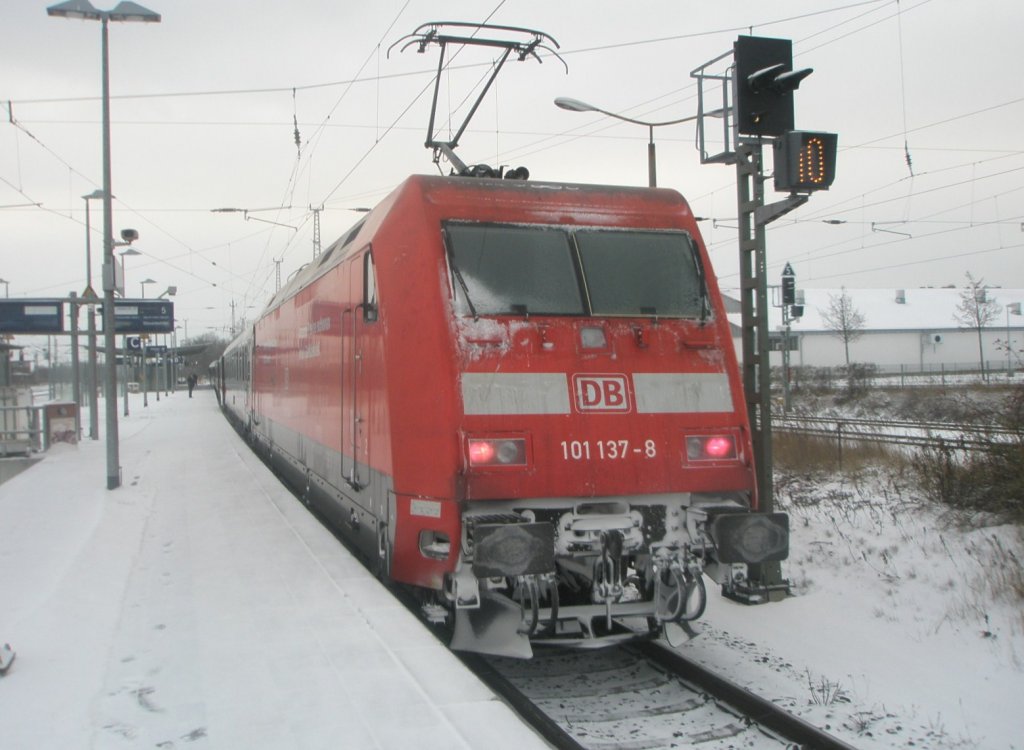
x=248 y=366
x=359 y=311
x=348 y=384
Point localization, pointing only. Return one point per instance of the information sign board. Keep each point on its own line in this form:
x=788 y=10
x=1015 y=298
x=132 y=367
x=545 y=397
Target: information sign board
x=31 y=316
x=143 y=316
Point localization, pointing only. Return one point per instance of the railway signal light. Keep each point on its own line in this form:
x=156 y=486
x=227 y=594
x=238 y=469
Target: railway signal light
x=805 y=161
x=765 y=82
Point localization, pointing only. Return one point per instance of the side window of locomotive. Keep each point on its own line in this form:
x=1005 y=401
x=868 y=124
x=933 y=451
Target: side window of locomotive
x=642 y=273
x=369 y=289
x=512 y=270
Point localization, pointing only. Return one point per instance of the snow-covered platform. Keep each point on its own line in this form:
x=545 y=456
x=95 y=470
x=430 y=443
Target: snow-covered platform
x=201 y=605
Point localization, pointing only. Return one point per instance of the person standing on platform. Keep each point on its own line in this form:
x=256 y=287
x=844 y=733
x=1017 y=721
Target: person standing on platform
x=192 y=380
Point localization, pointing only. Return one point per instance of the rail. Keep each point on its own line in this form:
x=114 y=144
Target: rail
x=760 y=710
x=638 y=696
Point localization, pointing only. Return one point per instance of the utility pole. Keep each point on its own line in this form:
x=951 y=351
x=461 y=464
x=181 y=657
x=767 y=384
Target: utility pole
x=764 y=579
x=316 y=231
x=76 y=385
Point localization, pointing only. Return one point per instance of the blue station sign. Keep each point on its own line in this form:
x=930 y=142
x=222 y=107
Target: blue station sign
x=143 y=316
x=41 y=316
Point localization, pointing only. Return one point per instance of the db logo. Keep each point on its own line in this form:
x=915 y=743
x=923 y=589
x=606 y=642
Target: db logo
x=608 y=393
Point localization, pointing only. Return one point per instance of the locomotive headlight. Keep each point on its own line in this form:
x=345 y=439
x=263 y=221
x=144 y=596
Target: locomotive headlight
x=710 y=447
x=496 y=452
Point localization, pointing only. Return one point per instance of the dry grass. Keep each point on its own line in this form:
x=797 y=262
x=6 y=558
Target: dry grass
x=824 y=692
x=1000 y=576
x=805 y=454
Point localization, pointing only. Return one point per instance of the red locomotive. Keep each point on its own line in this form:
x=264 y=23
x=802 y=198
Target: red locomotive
x=520 y=398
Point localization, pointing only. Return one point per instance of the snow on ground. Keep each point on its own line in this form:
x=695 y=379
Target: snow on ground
x=200 y=605
x=895 y=636
x=901 y=632
x=906 y=628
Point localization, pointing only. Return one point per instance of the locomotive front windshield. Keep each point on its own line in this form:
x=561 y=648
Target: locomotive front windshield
x=544 y=270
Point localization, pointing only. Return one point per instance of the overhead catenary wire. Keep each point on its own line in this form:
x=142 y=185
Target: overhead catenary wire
x=324 y=200
x=380 y=137
x=817 y=256
x=311 y=144
x=530 y=149
x=903 y=89
x=872 y=7
x=431 y=71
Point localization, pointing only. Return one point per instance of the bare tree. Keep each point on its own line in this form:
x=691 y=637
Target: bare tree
x=976 y=310
x=844 y=320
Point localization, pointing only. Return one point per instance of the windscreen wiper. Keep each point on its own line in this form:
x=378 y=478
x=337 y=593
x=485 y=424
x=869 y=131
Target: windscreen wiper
x=458 y=277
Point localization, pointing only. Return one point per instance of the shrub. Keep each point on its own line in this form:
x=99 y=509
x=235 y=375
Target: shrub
x=858 y=377
x=980 y=480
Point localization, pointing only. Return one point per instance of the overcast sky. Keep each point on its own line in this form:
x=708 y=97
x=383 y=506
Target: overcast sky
x=205 y=106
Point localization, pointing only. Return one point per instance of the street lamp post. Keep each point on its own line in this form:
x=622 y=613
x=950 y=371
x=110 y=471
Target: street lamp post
x=575 y=105
x=168 y=360
x=125 y=11
x=76 y=384
x=145 y=355
x=174 y=359
x=125 y=356
x=90 y=294
x=124 y=269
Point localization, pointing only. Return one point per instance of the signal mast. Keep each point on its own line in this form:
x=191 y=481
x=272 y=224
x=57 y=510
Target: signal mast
x=756 y=94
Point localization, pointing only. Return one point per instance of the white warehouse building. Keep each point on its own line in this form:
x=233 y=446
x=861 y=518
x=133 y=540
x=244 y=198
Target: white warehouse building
x=903 y=329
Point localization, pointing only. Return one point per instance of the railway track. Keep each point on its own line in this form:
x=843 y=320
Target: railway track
x=954 y=436
x=641 y=697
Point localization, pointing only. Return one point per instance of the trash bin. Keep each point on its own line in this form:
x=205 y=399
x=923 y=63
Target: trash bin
x=61 y=422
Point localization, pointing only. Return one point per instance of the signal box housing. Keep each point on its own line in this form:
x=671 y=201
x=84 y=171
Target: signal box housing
x=763 y=106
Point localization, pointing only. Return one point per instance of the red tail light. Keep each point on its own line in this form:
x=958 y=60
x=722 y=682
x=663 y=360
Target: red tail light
x=710 y=447
x=497 y=451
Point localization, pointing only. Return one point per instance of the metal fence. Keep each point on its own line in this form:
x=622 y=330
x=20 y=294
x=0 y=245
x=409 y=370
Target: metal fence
x=20 y=422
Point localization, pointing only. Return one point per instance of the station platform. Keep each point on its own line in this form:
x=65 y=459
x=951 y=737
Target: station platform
x=201 y=605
